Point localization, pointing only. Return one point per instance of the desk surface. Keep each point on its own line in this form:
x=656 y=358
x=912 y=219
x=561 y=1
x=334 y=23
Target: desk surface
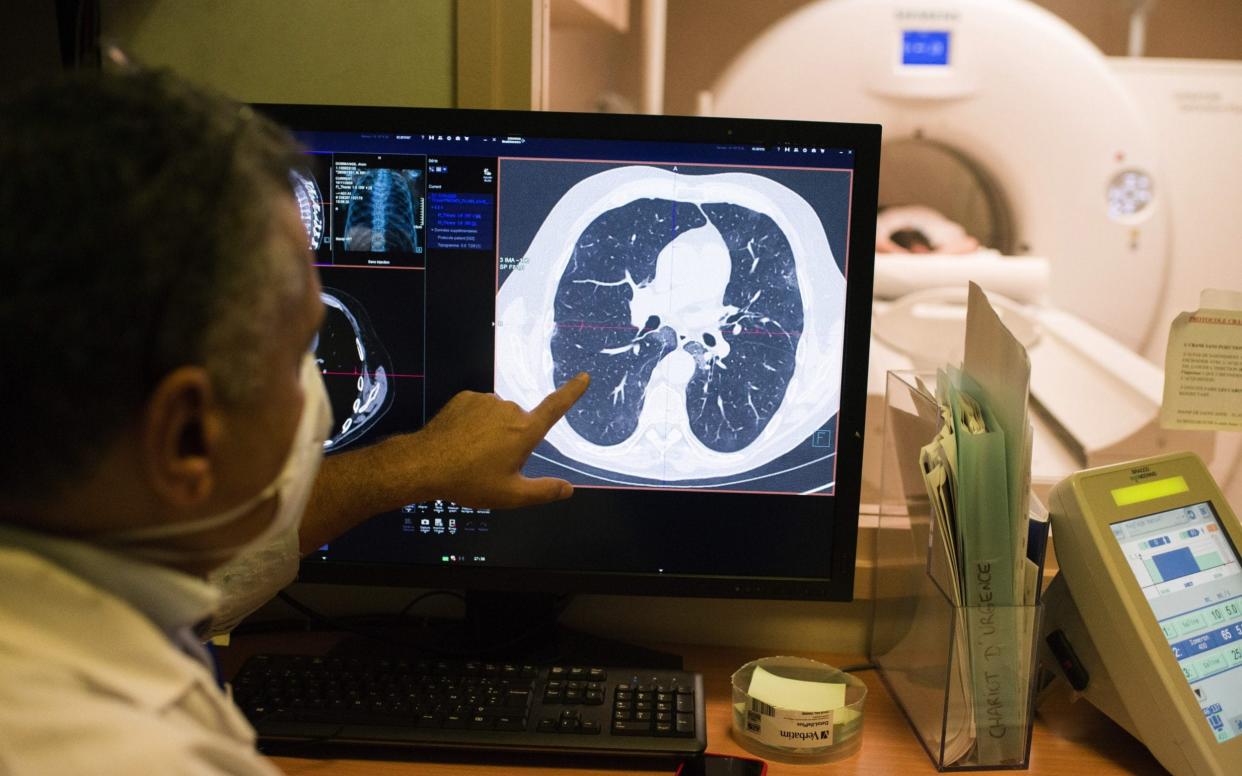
x=1069 y=738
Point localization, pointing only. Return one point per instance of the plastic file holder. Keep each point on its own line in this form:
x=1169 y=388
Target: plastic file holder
x=918 y=635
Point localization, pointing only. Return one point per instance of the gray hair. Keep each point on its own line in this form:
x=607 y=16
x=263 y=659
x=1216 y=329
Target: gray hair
x=136 y=216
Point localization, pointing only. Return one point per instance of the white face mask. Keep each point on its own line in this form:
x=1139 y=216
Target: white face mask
x=291 y=487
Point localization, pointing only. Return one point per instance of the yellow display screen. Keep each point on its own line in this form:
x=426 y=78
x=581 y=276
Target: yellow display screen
x=1146 y=491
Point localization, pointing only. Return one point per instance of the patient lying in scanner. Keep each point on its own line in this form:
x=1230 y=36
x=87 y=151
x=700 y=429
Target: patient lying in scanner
x=920 y=229
x=918 y=249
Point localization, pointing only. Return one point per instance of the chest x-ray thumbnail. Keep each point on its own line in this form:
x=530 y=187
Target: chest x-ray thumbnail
x=378 y=209
x=706 y=302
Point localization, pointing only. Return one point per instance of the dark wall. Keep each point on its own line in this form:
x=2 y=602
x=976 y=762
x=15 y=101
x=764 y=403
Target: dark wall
x=29 y=47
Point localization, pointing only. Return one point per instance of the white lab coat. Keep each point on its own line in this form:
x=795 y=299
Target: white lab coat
x=90 y=681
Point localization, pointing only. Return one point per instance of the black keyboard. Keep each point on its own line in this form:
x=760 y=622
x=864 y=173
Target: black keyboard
x=473 y=704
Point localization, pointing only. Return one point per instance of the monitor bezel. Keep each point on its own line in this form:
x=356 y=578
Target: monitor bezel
x=863 y=139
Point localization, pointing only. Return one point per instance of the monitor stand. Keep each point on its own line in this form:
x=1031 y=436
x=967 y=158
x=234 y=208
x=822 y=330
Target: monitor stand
x=510 y=627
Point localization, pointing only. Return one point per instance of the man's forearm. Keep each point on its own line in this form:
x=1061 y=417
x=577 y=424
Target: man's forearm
x=352 y=486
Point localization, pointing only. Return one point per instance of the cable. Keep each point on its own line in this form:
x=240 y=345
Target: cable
x=405 y=610
x=333 y=623
x=78 y=29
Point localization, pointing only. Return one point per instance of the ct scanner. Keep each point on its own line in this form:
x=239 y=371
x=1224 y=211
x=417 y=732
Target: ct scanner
x=1005 y=119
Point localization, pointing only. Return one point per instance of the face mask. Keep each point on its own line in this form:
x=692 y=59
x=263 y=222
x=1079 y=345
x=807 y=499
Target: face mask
x=291 y=487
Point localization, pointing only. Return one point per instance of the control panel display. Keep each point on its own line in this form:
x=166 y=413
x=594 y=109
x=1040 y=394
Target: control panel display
x=1189 y=573
x=925 y=48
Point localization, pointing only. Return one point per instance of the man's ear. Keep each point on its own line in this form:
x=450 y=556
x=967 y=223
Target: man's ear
x=180 y=431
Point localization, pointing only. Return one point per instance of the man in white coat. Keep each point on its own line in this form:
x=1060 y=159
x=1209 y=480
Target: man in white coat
x=161 y=470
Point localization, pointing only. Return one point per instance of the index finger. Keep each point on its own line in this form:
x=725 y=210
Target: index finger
x=556 y=404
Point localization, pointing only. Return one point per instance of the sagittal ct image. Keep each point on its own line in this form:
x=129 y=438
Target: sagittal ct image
x=379 y=208
x=708 y=305
x=309 y=182
x=364 y=377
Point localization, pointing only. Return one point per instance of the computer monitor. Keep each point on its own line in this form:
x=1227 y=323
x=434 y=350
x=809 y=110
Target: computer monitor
x=713 y=275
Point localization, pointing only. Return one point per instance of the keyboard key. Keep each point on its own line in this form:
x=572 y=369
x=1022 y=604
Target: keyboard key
x=517 y=699
x=631 y=728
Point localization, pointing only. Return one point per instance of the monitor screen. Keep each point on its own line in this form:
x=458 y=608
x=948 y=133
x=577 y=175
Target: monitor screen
x=712 y=275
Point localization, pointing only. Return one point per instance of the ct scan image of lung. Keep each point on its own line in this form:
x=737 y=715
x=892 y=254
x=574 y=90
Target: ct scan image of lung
x=355 y=366
x=708 y=309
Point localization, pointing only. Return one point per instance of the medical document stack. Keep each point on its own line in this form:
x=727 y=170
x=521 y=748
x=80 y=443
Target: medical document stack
x=958 y=583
